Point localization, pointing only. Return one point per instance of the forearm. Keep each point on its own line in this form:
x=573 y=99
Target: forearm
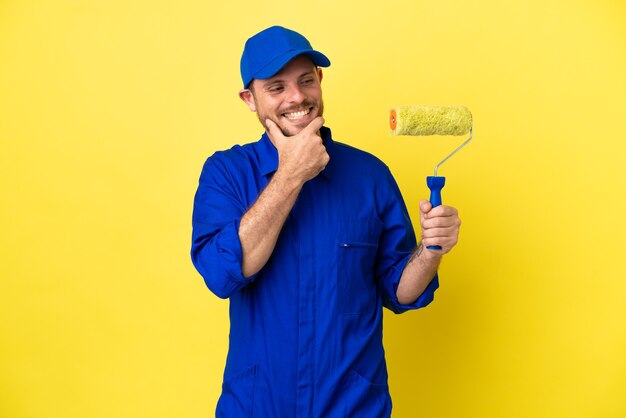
x=416 y=276
x=261 y=224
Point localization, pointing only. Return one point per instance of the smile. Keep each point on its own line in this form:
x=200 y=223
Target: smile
x=297 y=115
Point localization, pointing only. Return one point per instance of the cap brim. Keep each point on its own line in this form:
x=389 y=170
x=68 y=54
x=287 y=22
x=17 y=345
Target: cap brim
x=275 y=65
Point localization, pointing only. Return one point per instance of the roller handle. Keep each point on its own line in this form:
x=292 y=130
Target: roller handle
x=435 y=184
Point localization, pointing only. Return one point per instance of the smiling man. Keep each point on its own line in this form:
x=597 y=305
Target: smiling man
x=309 y=238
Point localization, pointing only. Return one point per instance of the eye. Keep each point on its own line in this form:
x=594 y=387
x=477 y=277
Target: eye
x=275 y=89
x=307 y=81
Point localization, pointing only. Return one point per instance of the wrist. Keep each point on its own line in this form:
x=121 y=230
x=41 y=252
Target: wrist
x=286 y=180
x=431 y=256
x=425 y=255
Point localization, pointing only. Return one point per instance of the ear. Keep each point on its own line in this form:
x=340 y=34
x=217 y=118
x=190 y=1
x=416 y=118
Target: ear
x=319 y=74
x=248 y=98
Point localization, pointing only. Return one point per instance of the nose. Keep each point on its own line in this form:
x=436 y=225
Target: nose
x=295 y=94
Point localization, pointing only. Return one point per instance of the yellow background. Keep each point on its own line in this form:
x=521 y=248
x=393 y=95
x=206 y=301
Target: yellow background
x=108 y=110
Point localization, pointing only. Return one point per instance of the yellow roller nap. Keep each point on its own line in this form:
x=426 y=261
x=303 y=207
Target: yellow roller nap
x=430 y=120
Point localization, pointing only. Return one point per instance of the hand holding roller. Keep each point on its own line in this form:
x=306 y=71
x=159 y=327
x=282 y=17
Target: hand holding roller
x=432 y=120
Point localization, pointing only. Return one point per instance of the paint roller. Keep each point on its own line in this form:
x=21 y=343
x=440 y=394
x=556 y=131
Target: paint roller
x=432 y=120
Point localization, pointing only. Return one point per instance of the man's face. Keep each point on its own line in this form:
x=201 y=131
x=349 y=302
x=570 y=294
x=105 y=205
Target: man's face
x=292 y=98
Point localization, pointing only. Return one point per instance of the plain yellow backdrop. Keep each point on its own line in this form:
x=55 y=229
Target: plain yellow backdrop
x=108 y=110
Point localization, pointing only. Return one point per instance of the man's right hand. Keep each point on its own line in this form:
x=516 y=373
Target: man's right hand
x=302 y=156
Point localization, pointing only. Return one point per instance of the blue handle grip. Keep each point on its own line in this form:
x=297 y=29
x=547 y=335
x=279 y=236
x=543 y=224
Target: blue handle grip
x=435 y=184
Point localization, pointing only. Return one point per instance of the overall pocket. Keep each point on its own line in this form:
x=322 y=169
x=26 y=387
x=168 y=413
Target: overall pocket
x=357 y=249
x=363 y=398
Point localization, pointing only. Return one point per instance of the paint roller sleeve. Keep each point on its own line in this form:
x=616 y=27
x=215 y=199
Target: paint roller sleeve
x=430 y=120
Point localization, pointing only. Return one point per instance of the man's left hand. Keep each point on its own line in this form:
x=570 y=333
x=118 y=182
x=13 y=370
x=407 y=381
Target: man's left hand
x=440 y=226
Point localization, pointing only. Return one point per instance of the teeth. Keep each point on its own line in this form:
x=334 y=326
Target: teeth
x=297 y=115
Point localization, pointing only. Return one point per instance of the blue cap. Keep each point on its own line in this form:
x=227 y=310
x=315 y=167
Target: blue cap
x=269 y=50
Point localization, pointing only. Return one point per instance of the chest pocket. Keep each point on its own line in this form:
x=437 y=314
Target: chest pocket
x=357 y=248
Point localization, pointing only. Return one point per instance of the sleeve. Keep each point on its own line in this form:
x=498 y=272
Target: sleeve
x=216 y=250
x=396 y=245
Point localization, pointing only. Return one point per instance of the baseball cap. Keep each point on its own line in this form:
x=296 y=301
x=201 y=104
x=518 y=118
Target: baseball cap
x=269 y=50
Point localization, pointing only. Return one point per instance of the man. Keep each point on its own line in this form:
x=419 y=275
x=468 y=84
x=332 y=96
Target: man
x=309 y=239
